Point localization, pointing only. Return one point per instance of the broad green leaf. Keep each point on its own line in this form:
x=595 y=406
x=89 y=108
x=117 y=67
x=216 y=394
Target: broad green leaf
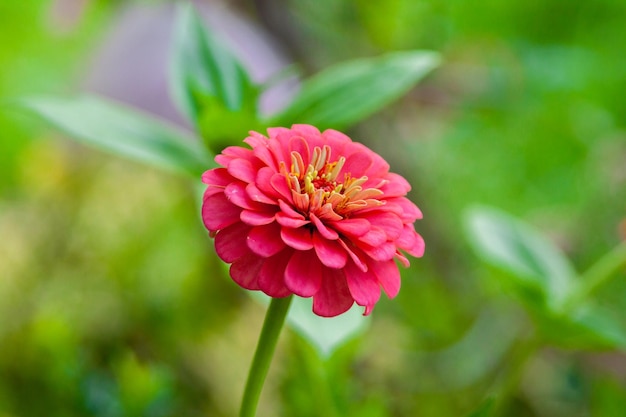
x=347 y=93
x=608 y=396
x=123 y=131
x=323 y=333
x=203 y=68
x=531 y=260
x=486 y=342
x=220 y=127
x=588 y=327
x=484 y=409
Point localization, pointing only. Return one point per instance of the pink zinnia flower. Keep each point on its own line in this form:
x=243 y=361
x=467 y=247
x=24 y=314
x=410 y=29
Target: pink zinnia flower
x=312 y=214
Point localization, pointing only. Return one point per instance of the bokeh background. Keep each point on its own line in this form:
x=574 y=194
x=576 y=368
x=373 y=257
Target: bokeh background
x=113 y=304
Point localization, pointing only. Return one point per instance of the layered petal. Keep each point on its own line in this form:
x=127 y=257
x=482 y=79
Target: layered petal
x=230 y=242
x=333 y=297
x=303 y=275
x=271 y=276
x=218 y=212
x=265 y=240
x=329 y=252
x=364 y=286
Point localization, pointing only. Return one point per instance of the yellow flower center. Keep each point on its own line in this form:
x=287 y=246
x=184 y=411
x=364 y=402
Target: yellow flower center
x=315 y=188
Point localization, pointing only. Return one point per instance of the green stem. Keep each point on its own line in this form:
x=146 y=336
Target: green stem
x=509 y=384
x=597 y=275
x=272 y=325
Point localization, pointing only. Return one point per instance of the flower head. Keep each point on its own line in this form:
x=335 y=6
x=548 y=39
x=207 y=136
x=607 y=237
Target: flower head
x=312 y=214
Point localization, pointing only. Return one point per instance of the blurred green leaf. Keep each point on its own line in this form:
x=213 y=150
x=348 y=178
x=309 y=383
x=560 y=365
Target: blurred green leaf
x=205 y=76
x=487 y=341
x=609 y=397
x=484 y=409
x=347 y=93
x=533 y=262
x=220 y=127
x=123 y=131
x=325 y=334
x=589 y=327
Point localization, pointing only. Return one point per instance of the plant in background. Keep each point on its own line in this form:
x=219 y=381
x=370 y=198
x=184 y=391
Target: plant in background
x=296 y=210
x=317 y=215
x=303 y=212
x=559 y=301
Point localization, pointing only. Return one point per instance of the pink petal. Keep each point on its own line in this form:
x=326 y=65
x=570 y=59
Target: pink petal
x=265 y=240
x=298 y=238
x=337 y=142
x=363 y=286
x=333 y=297
x=260 y=149
x=211 y=190
x=230 y=242
x=278 y=146
x=217 y=176
x=303 y=275
x=242 y=169
x=321 y=227
x=256 y=140
x=311 y=133
x=237 y=152
x=272 y=275
x=382 y=252
x=330 y=252
x=245 y=271
x=411 y=242
x=327 y=213
x=289 y=211
x=257 y=218
x=357 y=164
x=218 y=212
x=354 y=227
x=388 y=276
x=236 y=193
x=407 y=210
x=300 y=145
x=275 y=131
x=389 y=222
x=263 y=181
x=402 y=259
x=279 y=183
x=287 y=221
x=257 y=195
x=377 y=166
x=396 y=187
x=353 y=252
x=376 y=236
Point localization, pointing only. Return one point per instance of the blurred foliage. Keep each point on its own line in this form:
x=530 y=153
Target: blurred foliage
x=111 y=302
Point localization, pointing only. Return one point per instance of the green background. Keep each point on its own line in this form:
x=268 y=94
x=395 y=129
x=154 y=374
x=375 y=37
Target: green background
x=113 y=304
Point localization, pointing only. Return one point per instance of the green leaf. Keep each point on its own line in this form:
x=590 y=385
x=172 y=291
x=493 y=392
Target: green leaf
x=203 y=68
x=220 y=127
x=588 y=327
x=532 y=261
x=123 y=131
x=346 y=93
x=484 y=409
x=322 y=333
x=486 y=342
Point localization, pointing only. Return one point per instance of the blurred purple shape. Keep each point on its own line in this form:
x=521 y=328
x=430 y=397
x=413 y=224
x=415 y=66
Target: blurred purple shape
x=132 y=64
